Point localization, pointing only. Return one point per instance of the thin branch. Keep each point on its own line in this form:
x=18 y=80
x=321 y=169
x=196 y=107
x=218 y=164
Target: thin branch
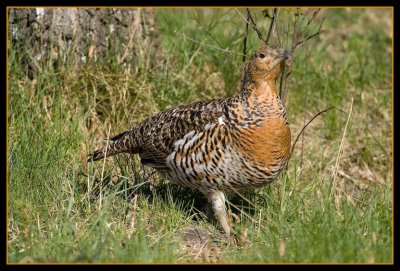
x=305 y=126
x=296 y=45
x=300 y=43
x=281 y=80
x=245 y=37
x=253 y=24
x=285 y=89
x=279 y=38
x=314 y=16
x=295 y=32
x=207 y=45
x=313 y=35
x=272 y=24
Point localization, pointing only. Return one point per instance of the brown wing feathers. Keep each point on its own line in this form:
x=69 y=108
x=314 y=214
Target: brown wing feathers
x=154 y=138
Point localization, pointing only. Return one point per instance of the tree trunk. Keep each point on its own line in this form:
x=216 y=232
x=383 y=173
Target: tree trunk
x=75 y=36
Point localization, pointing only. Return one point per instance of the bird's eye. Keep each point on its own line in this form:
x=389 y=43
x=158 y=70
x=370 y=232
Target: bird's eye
x=261 y=55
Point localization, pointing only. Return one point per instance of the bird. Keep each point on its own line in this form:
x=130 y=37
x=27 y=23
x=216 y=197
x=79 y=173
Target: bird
x=220 y=146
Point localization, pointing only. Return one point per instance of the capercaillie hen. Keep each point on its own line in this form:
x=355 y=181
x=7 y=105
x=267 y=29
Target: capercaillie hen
x=218 y=146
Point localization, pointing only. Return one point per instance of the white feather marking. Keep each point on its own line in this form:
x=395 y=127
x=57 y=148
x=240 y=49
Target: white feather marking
x=177 y=143
x=221 y=120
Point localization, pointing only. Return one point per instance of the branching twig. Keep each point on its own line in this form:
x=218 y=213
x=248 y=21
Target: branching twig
x=300 y=43
x=305 y=126
x=297 y=43
x=272 y=24
x=295 y=32
x=314 y=16
x=253 y=24
x=283 y=92
x=207 y=45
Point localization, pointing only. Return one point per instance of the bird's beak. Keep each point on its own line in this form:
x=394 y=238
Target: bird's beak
x=286 y=55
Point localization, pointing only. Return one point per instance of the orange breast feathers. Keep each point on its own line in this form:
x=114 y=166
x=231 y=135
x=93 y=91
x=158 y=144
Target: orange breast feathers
x=268 y=143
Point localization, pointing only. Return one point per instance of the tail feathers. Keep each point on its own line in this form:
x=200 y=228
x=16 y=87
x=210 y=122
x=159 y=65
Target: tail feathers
x=121 y=135
x=120 y=143
x=105 y=152
x=97 y=155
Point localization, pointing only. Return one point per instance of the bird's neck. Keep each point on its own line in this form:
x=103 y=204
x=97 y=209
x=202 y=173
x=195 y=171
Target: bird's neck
x=256 y=92
x=256 y=102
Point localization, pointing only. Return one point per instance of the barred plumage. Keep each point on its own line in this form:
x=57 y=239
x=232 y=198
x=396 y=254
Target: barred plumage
x=222 y=145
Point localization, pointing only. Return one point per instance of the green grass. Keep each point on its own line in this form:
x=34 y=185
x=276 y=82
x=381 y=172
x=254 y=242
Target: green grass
x=62 y=209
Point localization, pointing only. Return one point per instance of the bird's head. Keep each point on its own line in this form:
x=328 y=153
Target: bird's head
x=267 y=63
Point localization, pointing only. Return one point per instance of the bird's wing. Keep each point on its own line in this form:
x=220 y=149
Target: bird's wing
x=159 y=132
x=202 y=156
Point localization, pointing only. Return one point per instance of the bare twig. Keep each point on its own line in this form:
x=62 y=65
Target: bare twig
x=279 y=38
x=284 y=90
x=300 y=43
x=253 y=24
x=272 y=24
x=292 y=52
x=207 y=45
x=297 y=43
x=295 y=32
x=245 y=36
x=314 y=15
x=284 y=75
x=305 y=126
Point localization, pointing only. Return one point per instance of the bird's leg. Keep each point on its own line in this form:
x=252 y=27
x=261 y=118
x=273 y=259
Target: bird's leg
x=217 y=200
